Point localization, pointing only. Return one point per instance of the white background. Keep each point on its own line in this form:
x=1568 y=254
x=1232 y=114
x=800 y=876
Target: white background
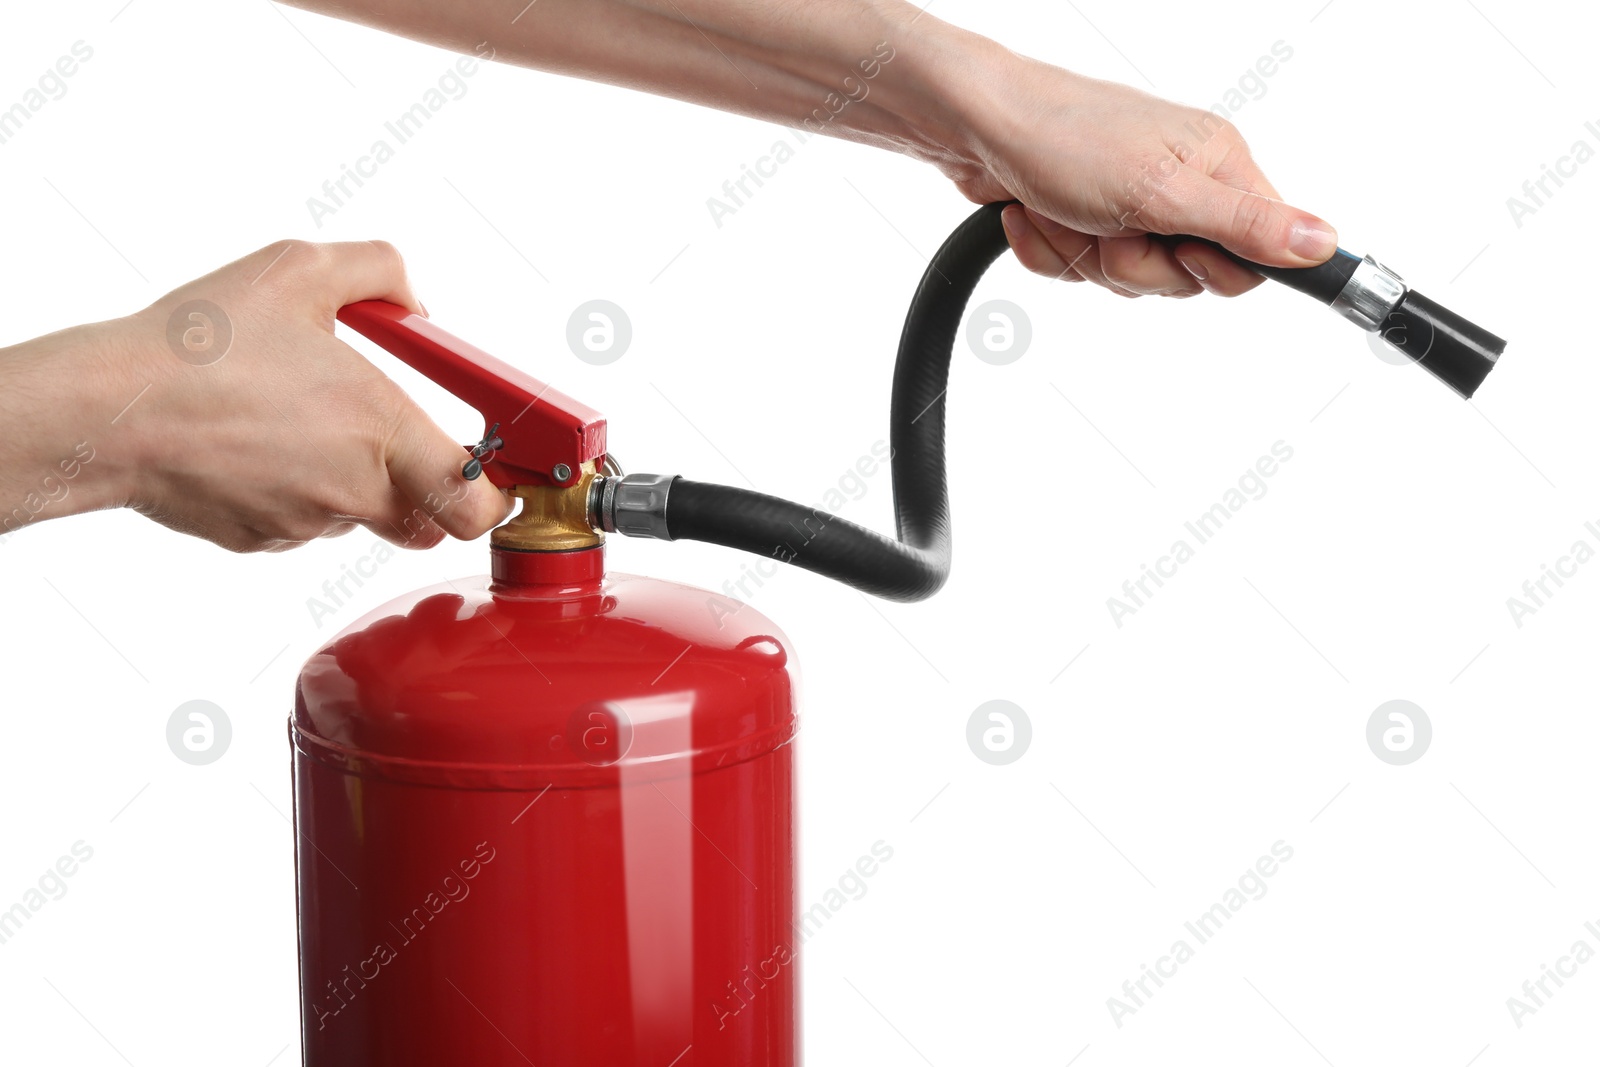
x=1228 y=714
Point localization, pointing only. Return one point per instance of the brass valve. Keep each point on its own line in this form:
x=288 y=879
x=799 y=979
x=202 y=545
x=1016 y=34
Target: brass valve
x=552 y=519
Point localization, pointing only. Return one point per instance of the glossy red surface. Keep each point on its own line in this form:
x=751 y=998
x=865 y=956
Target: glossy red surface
x=548 y=818
x=539 y=427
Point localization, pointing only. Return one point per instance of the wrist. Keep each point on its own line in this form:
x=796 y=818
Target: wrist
x=949 y=93
x=76 y=451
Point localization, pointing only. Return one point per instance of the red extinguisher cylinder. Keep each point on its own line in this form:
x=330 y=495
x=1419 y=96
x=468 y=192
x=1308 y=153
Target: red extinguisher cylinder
x=547 y=817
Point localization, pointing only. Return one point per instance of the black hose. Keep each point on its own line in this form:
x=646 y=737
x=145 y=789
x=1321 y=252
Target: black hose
x=914 y=566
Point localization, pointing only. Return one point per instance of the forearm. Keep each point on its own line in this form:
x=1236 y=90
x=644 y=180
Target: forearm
x=880 y=73
x=63 y=447
x=1099 y=166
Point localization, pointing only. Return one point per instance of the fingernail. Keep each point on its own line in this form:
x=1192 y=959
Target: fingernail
x=1310 y=239
x=1048 y=226
x=1013 y=221
x=1193 y=266
x=424 y=308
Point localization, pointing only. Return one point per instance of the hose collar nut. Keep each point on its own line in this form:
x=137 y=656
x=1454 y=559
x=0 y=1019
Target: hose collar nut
x=634 y=505
x=1372 y=292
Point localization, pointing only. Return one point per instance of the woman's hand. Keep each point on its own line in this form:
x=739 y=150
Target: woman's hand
x=1099 y=165
x=228 y=410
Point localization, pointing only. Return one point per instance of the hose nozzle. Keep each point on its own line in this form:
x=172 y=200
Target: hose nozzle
x=1457 y=352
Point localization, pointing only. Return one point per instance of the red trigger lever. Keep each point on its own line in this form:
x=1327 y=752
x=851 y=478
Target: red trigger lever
x=548 y=436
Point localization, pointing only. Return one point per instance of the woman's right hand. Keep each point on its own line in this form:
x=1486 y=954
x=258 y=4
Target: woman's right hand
x=1099 y=166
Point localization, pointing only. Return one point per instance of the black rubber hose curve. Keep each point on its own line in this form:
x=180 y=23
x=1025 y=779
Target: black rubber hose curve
x=915 y=564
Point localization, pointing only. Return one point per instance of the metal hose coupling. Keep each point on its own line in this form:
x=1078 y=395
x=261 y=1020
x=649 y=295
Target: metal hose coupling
x=634 y=505
x=1371 y=295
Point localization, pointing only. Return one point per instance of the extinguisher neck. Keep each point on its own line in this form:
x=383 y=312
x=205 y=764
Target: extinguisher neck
x=555 y=574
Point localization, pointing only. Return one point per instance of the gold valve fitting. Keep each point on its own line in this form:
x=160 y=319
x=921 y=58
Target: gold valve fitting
x=552 y=519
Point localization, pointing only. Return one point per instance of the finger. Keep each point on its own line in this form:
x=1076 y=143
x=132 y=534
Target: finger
x=402 y=522
x=369 y=270
x=277 y=544
x=426 y=465
x=1079 y=251
x=399 y=520
x=1213 y=270
x=1141 y=265
x=414 y=530
x=1088 y=263
x=1255 y=226
x=1033 y=250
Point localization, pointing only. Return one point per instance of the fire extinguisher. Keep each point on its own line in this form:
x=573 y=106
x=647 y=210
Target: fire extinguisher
x=547 y=815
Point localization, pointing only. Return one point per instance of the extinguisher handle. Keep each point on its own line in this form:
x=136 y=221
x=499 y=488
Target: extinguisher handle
x=544 y=437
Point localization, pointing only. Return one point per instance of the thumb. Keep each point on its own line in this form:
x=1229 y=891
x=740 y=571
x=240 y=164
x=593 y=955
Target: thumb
x=425 y=464
x=1257 y=227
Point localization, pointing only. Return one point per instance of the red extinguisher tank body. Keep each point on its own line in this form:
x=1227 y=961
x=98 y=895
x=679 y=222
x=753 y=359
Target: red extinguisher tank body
x=548 y=817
